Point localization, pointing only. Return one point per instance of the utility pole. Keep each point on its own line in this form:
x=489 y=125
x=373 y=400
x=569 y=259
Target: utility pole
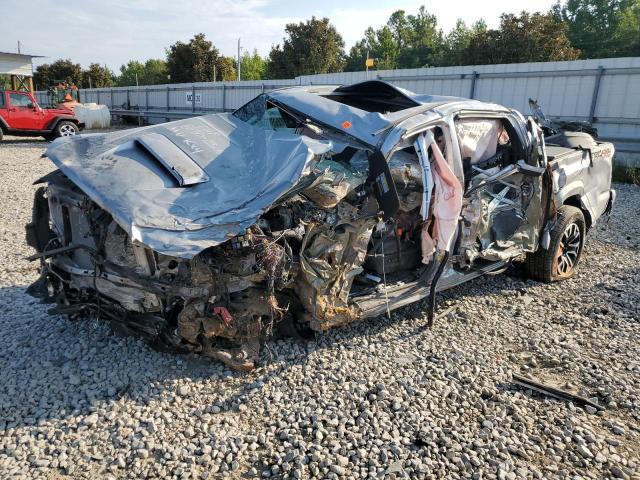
x=239 y=59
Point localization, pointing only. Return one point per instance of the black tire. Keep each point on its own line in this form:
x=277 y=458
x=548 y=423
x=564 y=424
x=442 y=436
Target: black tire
x=66 y=129
x=1 y=134
x=561 y=259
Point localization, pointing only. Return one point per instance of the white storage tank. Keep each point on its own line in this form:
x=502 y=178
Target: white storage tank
x=93 y=116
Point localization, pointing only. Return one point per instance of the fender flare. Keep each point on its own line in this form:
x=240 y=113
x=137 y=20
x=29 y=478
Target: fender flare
x=54 y=122
x=577 y=192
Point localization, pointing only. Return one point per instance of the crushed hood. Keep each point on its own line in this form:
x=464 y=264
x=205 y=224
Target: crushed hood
x=183 y=186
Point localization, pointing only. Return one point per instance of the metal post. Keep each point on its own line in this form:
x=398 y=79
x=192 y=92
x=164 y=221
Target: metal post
x=128 y=100
x=111 y=93
x=98 y=92
x=146 y=99
x=224 y=94
x=193 y=98
x=594 y=96
x=262 y=90
x=472 y=90
x=168 y=100
x=138 y=100
x=238 y=59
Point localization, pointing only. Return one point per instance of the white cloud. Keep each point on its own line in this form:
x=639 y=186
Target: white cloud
x=114 y=32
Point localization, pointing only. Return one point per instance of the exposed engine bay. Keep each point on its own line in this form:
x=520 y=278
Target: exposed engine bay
x=297 y=263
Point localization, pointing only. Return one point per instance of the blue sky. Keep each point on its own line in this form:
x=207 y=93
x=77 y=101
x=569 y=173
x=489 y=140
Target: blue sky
x=114 y=32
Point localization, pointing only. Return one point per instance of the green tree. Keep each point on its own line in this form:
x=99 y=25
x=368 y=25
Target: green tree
x=601 y=28
x=520 y=38
x=155 y=72
x=197 y=61
x=152 y=72
x=456 y=42
x=97 y=76
x=406 y=41
x=425 y=45
x=385 y=49
x=380 y=45
x=314 y=46
x=252 y=66
x=60 y=70
x=225 y=69
x=129 y=72
x=627 y=32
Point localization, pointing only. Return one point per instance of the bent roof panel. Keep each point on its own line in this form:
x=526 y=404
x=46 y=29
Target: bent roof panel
x=313 y=101
x=350 y=120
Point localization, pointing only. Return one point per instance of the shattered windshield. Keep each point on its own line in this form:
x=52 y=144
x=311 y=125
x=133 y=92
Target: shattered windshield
x=263 y=112
x=260 y=112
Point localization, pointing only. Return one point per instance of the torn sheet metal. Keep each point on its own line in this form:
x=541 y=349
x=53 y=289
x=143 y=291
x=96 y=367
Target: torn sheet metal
x=235 y=171
x=447 y=198
x=427 y=176
x=330 y=258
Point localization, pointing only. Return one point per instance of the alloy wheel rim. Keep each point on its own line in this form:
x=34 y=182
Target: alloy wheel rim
x=569 y=249
x=67 y=131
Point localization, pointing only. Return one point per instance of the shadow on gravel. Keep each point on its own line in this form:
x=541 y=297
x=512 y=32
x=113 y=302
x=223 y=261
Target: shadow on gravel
x=24 y=141
x=56 y=368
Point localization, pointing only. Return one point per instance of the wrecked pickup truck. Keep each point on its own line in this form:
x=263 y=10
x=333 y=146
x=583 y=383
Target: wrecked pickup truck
x=307 y=208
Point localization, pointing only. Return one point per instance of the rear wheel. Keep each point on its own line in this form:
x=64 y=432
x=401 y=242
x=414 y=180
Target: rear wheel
x=1 y=134
x=66 y=129
x=561 y=259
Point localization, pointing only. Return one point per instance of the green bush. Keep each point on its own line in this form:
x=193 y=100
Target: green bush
x=626 y=174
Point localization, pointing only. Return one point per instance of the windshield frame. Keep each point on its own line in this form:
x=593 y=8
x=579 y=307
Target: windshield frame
x=329 y=131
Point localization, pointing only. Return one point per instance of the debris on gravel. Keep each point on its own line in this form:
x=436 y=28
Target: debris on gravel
x=382 y=398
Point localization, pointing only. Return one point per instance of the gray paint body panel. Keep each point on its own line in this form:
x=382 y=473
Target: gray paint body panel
x=178 y=163
x=199 y=181
x=248 y=168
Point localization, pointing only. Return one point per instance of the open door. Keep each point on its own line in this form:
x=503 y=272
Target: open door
x=502 y=205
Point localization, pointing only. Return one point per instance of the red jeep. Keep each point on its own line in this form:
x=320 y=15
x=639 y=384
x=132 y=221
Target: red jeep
x=21 y=115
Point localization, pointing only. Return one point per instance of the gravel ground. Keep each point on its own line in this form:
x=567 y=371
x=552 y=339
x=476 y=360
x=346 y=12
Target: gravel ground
x=379 y=399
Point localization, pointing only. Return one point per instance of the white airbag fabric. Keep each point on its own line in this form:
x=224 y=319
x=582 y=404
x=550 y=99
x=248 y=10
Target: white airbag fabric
x=447 y=198
x=478 y=138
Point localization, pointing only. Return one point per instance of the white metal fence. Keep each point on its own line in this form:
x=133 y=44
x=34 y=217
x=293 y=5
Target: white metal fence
x=603 y=91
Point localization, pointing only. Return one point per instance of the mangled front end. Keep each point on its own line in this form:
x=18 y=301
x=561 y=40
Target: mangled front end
x=202 y=242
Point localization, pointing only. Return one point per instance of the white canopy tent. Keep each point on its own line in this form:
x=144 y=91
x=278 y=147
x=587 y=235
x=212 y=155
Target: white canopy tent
x=20 y=69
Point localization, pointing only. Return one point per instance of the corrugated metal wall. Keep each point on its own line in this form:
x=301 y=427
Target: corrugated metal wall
x=605 y=91
x=564 y=89
x=175 y=100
